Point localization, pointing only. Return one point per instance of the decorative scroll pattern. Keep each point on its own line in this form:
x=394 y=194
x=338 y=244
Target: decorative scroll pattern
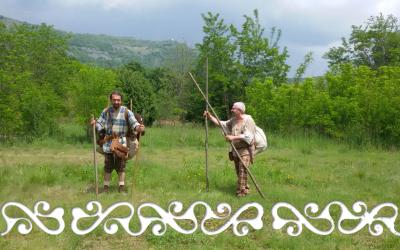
x=210 y=223
x=25 y=223
x=171 y=217
x=360 y=216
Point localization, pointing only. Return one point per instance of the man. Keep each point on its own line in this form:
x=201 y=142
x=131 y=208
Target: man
x=114 y=123
x=240 y=131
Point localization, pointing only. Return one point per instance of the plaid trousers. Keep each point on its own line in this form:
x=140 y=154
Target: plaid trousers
x=112 y=162
x=241 y=172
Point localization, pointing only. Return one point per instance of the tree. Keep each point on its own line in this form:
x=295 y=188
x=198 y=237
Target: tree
x=89 y=92
x=236 y=58
x=137 y=87
x=35 y=71
x=219 y=49
x=374 y=45
x=176 y=83
x=179 y=64
x=258 y=56
x=308 y=58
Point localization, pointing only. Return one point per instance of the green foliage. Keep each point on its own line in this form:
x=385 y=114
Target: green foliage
x=40 y=85
x=235 y=58
x=176 y=87
x=136 y=87
x=218 y=49
x=89 y=92
x=257 y=56
x=365 y=96
x=357 y=104
x=169 y=91
x=308 y=58
x=357 y=100
x=34 y=74
x=375 y=45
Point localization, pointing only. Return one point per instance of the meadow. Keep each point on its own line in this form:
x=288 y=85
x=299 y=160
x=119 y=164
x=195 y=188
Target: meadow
x=294 y=169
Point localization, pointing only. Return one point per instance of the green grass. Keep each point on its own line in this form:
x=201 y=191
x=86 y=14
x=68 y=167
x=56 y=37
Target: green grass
x=170 y=167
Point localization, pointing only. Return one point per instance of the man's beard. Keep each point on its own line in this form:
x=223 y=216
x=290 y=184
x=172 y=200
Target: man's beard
x=116 y=106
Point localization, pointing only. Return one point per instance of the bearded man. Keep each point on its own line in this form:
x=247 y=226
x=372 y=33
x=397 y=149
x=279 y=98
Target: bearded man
x=113 y=127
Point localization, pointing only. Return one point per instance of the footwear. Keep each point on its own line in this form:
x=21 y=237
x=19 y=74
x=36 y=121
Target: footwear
x=122 y=188
x=106 y=189
x=241 y=194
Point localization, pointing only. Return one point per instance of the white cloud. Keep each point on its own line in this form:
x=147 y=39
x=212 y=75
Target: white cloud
x=389 y=7
x=121 y=5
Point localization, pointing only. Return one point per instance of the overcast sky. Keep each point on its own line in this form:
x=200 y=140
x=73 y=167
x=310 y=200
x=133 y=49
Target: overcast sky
x=307 y=25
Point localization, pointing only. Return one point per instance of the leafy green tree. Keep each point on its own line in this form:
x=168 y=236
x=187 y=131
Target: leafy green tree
x=34 y=72
x=235 y=59
x=89 y=92
x=176 y=83
x=260 y=103
x=167 y=93
x=178 y=65
x=136 y=87
x=300 y=71
x=376 y=44
x=218 y=49
x=258 y=56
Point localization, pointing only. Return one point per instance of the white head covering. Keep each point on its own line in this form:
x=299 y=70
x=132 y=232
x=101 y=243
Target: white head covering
x=240 y=106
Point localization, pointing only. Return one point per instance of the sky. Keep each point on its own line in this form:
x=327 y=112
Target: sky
x=306 y=25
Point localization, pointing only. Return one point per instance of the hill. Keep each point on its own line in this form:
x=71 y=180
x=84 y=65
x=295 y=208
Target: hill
x=111 y=51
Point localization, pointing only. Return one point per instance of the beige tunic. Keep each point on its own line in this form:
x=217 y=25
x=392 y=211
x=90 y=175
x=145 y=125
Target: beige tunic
x=245 y=128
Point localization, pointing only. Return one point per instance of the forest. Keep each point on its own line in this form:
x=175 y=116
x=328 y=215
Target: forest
x=357 y=100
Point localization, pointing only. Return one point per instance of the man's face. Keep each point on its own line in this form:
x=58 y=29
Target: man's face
x=235 y=111
x=116 y=101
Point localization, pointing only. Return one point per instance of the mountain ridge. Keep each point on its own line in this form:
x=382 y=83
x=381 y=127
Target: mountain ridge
x=113 y=51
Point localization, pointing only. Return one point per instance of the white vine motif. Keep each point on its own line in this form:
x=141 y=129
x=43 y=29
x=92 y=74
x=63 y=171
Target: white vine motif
x=360 y=215
x=167 y=218
x=25 y=225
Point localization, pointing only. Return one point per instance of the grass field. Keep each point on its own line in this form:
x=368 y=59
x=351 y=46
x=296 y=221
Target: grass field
x=170 y=167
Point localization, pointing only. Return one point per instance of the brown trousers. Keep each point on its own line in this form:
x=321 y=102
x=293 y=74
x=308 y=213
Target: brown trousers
x=112 y=162
x=241 y=172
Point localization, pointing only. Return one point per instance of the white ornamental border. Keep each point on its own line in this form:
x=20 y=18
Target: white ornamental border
x=175 y=214
x=159 y=224
x=361 y=215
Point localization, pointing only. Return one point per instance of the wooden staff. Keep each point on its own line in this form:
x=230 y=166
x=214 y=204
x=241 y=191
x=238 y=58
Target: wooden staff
x=94 y=159
x=206 y=125
x=135 y=170
x=223 y=130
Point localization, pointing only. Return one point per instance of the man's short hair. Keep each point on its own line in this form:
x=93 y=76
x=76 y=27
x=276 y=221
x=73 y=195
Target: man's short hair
x=115 y=92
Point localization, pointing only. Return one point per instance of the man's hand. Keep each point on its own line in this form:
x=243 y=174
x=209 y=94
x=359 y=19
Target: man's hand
x=92 y=121
x=229 y=137
x=207 y=114
x=140 y=128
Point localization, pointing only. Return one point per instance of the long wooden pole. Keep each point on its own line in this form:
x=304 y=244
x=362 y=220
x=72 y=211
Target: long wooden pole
x=94 y=159
x=206 y=125
x=223 y=130
x=136 y=161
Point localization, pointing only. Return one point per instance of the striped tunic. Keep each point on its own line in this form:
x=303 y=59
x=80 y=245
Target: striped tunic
x=113 y=121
